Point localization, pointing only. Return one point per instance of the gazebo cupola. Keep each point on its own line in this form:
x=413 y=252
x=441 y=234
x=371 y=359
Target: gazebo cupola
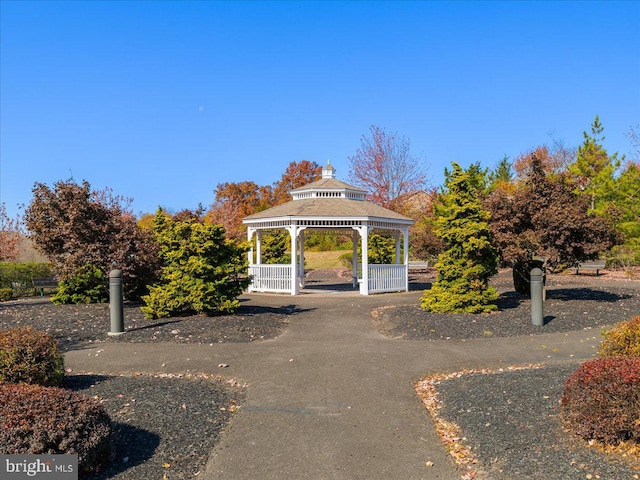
x=328 y=171
x=329 y=205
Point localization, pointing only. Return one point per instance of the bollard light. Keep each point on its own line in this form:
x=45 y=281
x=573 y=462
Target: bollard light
x=115 y=302
x=537 y=296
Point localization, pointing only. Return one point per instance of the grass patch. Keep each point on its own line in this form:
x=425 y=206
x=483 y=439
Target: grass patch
x=315 y=260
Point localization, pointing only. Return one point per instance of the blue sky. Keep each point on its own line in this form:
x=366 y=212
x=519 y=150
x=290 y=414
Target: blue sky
x=162 y=100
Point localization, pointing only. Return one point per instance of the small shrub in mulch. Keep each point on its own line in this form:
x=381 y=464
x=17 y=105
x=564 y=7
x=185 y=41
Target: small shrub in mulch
x=623 y=340
x=30 y=356
x=601 y=400
x=36 y=420
x=6 y=294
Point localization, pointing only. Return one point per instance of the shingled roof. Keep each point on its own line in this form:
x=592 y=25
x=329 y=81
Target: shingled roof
x=329 y=207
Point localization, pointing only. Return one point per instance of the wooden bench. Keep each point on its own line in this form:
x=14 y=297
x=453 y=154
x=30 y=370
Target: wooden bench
x=39 y=284
x=418 y=265
x=596 y=265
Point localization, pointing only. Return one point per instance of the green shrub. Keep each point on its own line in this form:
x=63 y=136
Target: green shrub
x=623 y=340
x=29 y=356
x=90 y=285
x=470 y=259
x=6 y=294
x=203 y=271
x=37 y=420
x=601 y=400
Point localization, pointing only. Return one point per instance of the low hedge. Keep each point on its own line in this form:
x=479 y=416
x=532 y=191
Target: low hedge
x=601 y=400
x=30 y=356
x=48 y=420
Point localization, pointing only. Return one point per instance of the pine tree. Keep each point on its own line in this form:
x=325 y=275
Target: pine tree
x=594 y=169
x=470 y=259
x=275 y=247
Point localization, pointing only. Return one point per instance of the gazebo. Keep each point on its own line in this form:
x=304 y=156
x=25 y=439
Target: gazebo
x=329 y=205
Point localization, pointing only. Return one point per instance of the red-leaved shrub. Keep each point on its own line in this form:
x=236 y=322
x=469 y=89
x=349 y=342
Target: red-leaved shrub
x=601 y=400
x=49 y=420
x=30 y=356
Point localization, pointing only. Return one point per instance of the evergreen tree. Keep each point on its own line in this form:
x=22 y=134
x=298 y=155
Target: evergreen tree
x=502 y=175
x=381 y=249
x=201 y=270
x=470 y=259
x=275 y=247
x=594 y=169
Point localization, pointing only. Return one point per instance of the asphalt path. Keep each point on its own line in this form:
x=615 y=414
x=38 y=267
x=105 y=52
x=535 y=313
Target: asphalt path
x=331 y=398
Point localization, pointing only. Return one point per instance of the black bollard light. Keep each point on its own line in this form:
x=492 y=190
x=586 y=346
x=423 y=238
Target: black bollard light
x=537 y=297
x=115 y=302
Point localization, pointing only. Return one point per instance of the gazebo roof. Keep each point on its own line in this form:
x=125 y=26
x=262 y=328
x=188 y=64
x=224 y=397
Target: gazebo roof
x=328 y=198
x=342 y=208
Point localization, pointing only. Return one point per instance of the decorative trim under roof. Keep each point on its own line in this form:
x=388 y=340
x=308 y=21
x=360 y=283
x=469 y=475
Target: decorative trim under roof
x=329 y=208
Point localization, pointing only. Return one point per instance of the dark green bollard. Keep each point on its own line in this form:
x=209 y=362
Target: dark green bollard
x=115 y=302
x=537 y=297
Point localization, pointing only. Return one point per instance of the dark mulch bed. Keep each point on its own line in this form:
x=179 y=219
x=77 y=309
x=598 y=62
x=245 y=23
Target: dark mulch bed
x=90 y=323
x=164 y=427
x=566 y=309
x=511 y=422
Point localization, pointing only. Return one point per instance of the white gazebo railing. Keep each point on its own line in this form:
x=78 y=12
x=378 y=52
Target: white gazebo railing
x=270 y=278
x=387 y=278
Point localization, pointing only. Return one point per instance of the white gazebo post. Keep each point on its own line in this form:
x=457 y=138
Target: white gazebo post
x=354 y=258
x=301 y=263
x=396 y=234
x=259 y=247
x=293 y=231
x=364 y=234
x=405 y=233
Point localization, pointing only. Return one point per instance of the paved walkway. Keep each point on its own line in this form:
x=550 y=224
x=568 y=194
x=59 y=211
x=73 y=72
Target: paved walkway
x=331 y=398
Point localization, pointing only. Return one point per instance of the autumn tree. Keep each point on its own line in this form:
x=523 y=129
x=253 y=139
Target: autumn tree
x=385 y=167
x=202 y=270
x=296 y=175
x=544 y=217
x=554 y=159
x=74 y=227
x=464 y=268
x=186 y=215
x=233 y=202
x=10 y=232
x=422 y=238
